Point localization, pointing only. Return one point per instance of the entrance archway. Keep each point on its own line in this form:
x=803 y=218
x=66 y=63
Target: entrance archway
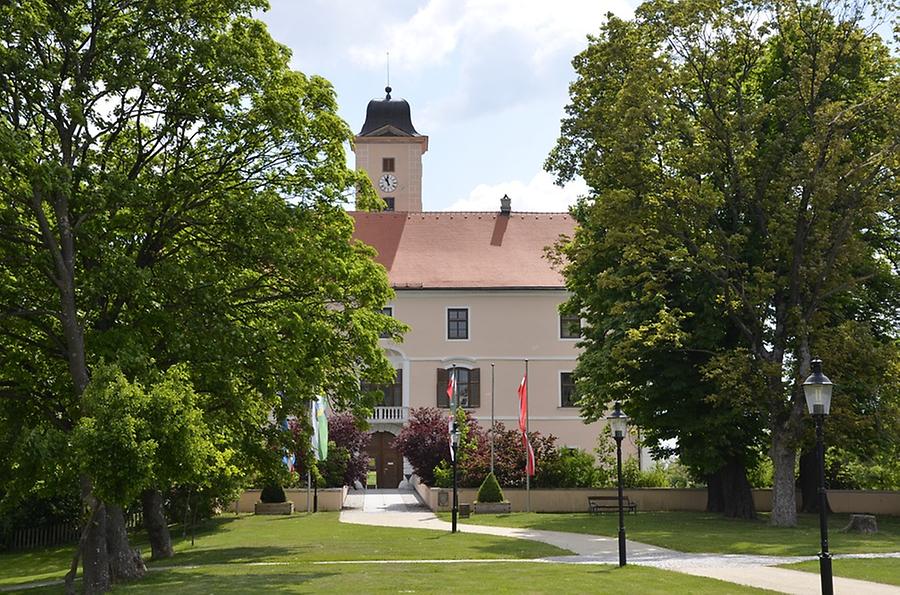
x=388 y=462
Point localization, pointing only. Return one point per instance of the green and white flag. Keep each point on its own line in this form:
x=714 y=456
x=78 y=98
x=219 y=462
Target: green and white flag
x=320 y=429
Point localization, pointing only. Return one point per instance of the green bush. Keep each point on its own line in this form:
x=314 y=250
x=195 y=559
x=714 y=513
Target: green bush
x=490 y=490
x=634 y=477
x=272 y=494
x=334 y=468
x=761 y=474
x=443 y=475
x=570 y=468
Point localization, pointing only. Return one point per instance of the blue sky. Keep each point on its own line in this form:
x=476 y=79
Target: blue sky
x=487 y=81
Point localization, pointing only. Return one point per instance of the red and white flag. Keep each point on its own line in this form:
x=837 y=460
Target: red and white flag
x=529 y=461
x=450 y=436
x=451 y=388
x=523 y=404
x=451 y=393
x=523 y=426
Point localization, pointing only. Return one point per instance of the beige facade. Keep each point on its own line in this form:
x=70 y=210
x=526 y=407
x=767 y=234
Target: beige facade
x=506 y=327
x=371 y=152
x=491 y=266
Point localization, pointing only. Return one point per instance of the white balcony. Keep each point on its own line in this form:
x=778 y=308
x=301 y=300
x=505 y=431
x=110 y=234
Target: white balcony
x=390 y=415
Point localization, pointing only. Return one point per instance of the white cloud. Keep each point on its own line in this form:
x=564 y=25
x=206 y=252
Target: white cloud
x=438 y=28
x=540 y=194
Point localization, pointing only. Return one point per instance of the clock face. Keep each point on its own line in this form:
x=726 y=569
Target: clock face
x=387 y=182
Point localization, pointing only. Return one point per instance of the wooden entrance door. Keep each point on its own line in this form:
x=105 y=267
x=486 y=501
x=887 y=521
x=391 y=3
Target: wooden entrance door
x=388 y=462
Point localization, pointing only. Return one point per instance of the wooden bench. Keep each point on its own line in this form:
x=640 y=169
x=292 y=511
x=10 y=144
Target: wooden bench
x=604 y=503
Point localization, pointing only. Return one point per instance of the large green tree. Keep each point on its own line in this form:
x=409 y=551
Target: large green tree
x=172 y=197
x=742 y=159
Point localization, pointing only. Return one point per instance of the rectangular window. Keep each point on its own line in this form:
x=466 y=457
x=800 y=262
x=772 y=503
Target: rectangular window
x=569 y=326
x=457 y=323
x=387 y=164
x=392 y=393
x=388 y=203
x=468 y=387
x=567 y=394
x=387 y=311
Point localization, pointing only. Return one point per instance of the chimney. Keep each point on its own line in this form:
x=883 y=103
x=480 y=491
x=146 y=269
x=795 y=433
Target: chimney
x=505 y=208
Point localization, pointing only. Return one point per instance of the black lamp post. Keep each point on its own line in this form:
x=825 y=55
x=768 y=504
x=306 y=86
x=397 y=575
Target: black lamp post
x=817 y=389
x=454 y=437
x=618 y=422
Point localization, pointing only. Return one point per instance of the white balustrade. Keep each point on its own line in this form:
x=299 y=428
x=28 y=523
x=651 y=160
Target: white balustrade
x=391 y=414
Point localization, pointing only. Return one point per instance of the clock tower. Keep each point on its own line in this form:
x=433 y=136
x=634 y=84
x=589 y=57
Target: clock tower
x=390 y=150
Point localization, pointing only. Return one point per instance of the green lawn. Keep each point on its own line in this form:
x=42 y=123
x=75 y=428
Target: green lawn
x=250 y=554
x=297 y=538
x=880 y=570
x=701 y=532
x=470 y=577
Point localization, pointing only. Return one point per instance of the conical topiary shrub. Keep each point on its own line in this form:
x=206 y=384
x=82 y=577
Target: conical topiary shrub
x=490 y=490
x=272 y=494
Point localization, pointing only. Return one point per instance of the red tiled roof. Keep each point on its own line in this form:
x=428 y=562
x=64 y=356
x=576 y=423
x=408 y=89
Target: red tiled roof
x=465 y=250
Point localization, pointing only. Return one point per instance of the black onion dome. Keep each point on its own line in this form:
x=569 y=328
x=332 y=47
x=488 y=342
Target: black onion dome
x=388 y=112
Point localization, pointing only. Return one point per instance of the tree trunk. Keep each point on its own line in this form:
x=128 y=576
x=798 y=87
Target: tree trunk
x=125 y=562
x=715 y=497
x=736 y=493
x=784 y=500
x=94 y=555
x=156 y=525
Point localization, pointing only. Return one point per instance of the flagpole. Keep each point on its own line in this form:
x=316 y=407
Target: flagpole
x=527 y=477
x=453 y=445
x=492 y=417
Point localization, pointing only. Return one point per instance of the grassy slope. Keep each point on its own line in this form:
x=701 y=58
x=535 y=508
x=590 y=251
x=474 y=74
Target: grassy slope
x=701 y=532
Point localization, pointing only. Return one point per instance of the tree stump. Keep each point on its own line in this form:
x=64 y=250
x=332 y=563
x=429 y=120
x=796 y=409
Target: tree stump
x=862 y=523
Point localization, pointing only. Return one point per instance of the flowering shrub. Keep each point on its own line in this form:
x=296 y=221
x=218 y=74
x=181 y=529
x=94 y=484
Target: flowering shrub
x=509 y=457
x=347 y=460
x=425 y=440
x=425 y=444
x=345 y=432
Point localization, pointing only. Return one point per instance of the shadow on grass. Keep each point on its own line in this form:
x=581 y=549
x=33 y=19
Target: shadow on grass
x=228 y=555
x=211 y=580
x=496 y=547
x=709 y=532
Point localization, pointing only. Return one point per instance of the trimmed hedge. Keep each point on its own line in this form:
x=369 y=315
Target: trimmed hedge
x=272 y=494
x=490 y=490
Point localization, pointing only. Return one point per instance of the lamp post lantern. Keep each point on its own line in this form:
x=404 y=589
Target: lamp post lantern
x=454 y=437
x=817 y=389
x=618 y=422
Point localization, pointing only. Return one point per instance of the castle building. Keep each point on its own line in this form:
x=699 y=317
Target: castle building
x=478 y=294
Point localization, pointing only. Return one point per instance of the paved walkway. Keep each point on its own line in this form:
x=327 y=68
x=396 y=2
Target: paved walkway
x=398 y=508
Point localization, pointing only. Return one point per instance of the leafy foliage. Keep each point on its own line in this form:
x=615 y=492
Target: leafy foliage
x=489 y=491
x=272 y=494
x=425 y=441
x=344 y=429
x=570 y=468
x=333 y=470
x=130 y=437
x=172 y=197
x=742 y=160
